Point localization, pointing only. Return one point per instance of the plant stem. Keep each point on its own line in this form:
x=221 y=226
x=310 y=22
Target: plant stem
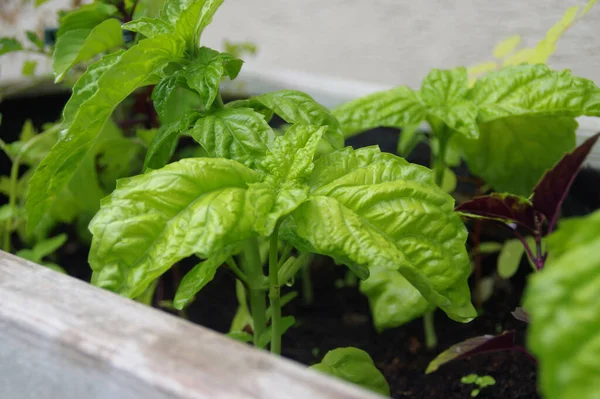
x=236 y=270
x=274 y=293
x=307 y=288
x=429 y=327
x=253 y=270
x=12 y=202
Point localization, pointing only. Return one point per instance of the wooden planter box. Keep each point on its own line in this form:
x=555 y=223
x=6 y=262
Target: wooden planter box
x=61 y=338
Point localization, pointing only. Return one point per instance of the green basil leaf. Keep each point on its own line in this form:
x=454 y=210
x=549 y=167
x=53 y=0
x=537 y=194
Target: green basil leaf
x=534 y=90
x=86 y=17
x=194 y=206
x=444 y=92
x=393 y=299
x=382 y=211
x=149 y=27
x=288 y=164
x=136 y=67
x=87 y=85
x=190 y=17
x=9 y=45
x=43 y=248
x=163 y=146
x=398 y=107
x=564 y=311
x=298 y=107
x=234 y=133
x=355 y=366
x=82 y=44
x=513 y=153
x=205 y=72
x=172 y=100
x=196 y=279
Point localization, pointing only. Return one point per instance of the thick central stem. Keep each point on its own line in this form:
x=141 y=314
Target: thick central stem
x=274 y=293
x=254 y=273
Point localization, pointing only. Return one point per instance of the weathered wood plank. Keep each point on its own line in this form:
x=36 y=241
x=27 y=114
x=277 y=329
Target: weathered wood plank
x=63 y=338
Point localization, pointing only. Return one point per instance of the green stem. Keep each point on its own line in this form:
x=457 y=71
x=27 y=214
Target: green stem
x=12 y=202
x=429 y=327
x=274 y=293
x=439 y=164
x=307 y=288
x=253 y=270
x=231 y=263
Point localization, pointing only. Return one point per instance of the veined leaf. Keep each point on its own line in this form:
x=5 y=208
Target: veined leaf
x=355 y=366
x=82 y=44
x=239 y=134
x=165 y=140
x=136 y=67
x=534 y=90
x=513 y=153
x=85 y=17
x=172 y=99
x=190 y=17
x=298 y=107
x=368 y=209
x=564 y=313
x=194 y=206
x=149 y=27
x=444 y=92
x=398 y=107
x=205 y=72
x=288 y=164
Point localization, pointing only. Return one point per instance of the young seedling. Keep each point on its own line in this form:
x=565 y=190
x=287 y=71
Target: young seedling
x=481 y=382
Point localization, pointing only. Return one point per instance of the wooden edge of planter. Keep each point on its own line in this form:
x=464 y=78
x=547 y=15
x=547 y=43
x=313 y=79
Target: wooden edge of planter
x=63 y=338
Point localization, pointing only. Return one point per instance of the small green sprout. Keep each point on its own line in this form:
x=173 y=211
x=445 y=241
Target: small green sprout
x=481 y=382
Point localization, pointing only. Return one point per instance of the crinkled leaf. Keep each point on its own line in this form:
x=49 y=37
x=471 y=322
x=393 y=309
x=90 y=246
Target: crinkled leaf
x=473 y=346
x=254 y=104
x=172 y=100
x=393 y=300
x=82 y=44
x=196 y=279
x=194 y=206
x=534 y=90
x=85 y=17
x=289 y=163
x=234 y=133
x=355 y=366
x=87 y=85
x=207 y=69
x=135 y=67
x=552 y=189
x=502 y=207
x=513 y=153
x=444 y=92
x=564 y=311
x=398 y=107
x=298 y=107
x=148 y=27
x=369 y=209
x=9 y=44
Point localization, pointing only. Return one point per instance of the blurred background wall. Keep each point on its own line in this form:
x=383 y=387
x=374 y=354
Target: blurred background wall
x=385 y=42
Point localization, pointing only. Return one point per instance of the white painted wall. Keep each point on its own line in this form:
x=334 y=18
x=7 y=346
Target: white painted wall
x=386 y=42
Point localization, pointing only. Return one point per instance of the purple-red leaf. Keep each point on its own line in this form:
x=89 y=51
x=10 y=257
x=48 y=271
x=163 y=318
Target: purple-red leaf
x=503 y=207
x=473 y=346
x=551 y=190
